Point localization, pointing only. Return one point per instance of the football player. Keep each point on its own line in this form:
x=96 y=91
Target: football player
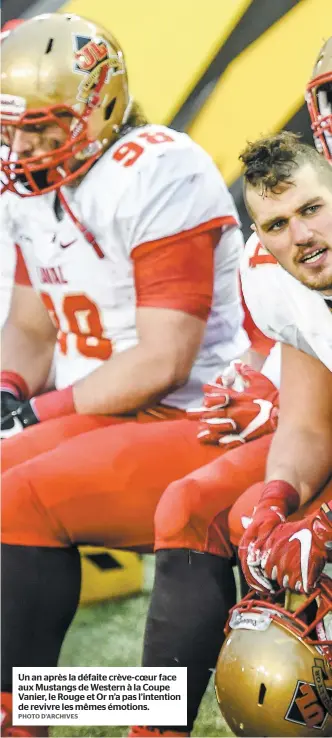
x=193 y=516
x=272 y=552
x=7 y=266
x=288 y=190
x=128 y=248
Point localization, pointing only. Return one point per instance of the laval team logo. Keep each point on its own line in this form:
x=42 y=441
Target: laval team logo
x=90 y=54
x=312 y=701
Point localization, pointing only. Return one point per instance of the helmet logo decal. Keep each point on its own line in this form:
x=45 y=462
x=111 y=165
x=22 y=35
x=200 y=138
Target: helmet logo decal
x=88 y=53
x=320 y=677
x=91 y=55
x=307 y=707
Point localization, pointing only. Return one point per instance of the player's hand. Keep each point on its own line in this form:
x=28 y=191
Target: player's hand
x=15 y=415
x=295 y=553
x=278 y=500
x=240 y=406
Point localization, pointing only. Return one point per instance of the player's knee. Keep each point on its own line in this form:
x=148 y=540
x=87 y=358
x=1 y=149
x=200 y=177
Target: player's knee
x=176 y=508
x=24 y=520
x=10 y=452
x=241 y=512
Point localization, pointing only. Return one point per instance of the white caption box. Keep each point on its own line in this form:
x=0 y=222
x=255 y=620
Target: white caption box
x=100 y=696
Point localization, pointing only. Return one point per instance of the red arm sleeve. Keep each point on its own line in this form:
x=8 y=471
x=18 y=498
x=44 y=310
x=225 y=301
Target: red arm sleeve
x=177 y=273
x=21 y=272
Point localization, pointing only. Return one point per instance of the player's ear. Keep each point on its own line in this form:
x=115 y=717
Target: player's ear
x=253 y=227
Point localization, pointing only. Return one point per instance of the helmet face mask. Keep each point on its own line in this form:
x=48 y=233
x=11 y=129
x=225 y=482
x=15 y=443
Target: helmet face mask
x=274 y=672
x=61 y=166
x=55 y=66
x=319 y=101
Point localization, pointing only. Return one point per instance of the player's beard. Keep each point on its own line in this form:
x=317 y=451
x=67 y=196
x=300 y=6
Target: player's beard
x=40 y=179
x=318 y=278
x=318 y=284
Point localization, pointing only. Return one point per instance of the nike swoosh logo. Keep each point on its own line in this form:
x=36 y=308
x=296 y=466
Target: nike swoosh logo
x=66 y=245
x=17 y=428
x=304 y=536
x=262 y=417
x=245 y=521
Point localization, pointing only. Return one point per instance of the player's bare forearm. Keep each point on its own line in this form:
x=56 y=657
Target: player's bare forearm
x=301 y=451
x=304 y=459
x=130 y=380
x=140 y=376
x=25 y=354
x=28 y=338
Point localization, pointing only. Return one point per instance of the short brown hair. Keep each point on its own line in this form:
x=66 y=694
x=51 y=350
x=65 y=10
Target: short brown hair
x=272 y=161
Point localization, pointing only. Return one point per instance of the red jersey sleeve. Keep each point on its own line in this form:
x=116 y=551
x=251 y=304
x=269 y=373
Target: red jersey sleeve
x=177 y=272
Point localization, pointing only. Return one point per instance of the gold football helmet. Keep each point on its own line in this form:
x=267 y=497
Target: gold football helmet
x=319 y=100
x=65 y=70
x=274 y=672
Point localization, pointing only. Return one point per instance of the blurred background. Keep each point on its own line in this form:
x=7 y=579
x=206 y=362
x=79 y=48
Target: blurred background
x=225 y=71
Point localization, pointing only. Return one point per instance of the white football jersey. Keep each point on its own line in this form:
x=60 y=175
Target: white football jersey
x=282 y=307
x=7 y=258
x=272 y=365
x=151 y=184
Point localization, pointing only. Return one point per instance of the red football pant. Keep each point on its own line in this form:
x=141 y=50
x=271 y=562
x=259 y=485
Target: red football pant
x=193 y=512
x=205 y=510
x=94 y=479
x=98 y=480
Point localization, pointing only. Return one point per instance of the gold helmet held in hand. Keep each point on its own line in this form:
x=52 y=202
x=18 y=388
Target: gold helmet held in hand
x=274 y=672
x=319 y=100
x=64 y=70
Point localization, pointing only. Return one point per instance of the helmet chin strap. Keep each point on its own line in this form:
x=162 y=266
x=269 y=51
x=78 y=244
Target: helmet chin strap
x=89 y=237
x=94 y=147
x=93 y=102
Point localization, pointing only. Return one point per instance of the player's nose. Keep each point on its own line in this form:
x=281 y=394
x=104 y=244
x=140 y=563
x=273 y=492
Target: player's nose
x=301 y=233
x=25 y=144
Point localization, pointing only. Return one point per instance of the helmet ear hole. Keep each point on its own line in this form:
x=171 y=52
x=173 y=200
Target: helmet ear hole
x=49 y=46
x=109 y=108
x=262 y=693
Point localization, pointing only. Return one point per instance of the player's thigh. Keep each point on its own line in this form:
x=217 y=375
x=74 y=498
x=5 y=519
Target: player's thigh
x=43 y=437
x=242 y=510
x=193 y=511
x=100 y=487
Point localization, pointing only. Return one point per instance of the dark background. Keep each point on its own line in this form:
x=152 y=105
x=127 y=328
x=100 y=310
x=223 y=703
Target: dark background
x=13 y=9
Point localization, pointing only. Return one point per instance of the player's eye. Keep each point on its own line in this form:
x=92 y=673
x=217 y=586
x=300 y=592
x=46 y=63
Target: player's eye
x=277 y=225
x=33 y=128
x=55 y=144
x=311 y=209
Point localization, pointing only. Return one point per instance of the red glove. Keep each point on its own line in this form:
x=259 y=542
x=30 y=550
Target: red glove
x=278 y=500
x=240 y=406
x=295 y=553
